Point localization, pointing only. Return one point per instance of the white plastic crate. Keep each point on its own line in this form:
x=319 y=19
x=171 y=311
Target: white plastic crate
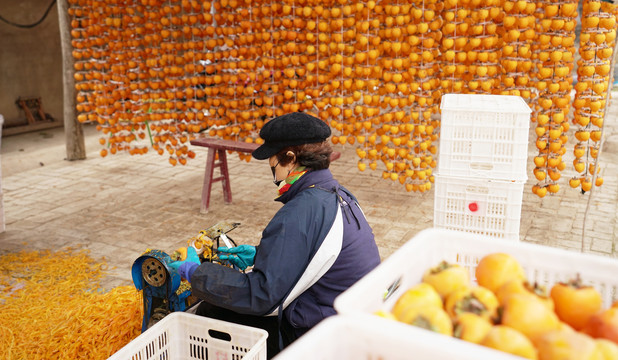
x=476 y=205
x=484 y=136
x=380 y=289
x=368 y=337
x=183 y=336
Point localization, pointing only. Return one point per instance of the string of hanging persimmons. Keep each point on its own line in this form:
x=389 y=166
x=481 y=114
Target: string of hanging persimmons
x=153 y=74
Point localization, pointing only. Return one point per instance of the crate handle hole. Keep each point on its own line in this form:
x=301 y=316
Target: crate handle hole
x=481 y=166
x=477 y=189
x=219 y=335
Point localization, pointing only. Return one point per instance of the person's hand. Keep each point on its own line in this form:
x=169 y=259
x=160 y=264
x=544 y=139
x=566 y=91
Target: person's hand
x=242 y=256
x=186 y=267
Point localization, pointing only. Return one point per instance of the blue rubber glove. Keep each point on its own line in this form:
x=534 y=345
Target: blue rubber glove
x=186 y=267
x=242 y=256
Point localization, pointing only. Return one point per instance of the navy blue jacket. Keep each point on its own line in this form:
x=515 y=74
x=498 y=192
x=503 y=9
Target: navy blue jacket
x=319 y=227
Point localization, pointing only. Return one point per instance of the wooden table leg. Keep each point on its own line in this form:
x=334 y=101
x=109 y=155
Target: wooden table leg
x=210 y=166
x=225 y=177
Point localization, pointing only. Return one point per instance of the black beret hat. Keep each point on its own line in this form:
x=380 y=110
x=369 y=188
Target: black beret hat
x=289 y=130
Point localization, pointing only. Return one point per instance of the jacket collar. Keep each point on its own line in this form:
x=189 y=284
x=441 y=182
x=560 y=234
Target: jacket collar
x=323 y=178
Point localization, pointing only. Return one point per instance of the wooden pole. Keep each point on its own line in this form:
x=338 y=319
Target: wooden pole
x=73 y=131
x=608 y=96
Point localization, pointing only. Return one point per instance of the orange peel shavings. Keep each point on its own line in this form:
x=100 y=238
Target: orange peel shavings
x=52 y=307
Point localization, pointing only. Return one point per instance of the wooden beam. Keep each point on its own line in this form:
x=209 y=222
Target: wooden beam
x=73 y=131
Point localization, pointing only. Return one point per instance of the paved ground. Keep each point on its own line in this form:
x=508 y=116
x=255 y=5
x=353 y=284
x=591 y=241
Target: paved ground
x=120 y=205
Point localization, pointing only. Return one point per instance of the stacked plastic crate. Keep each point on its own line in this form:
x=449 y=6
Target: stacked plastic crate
x=482 y=164
x=2 y=221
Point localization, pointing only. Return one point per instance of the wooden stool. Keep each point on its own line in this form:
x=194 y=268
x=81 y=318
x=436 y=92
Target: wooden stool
x=217 y=149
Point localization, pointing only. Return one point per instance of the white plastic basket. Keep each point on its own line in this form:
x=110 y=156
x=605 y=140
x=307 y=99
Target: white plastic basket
x=368 y=337
x=183 y=336
x=484 y=136
x=476 y=205
x=380 y=289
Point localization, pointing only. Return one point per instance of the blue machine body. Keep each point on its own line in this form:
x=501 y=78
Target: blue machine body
x=166 y=294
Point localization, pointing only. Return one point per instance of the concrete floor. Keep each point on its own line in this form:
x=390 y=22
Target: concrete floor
x=119 y=206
